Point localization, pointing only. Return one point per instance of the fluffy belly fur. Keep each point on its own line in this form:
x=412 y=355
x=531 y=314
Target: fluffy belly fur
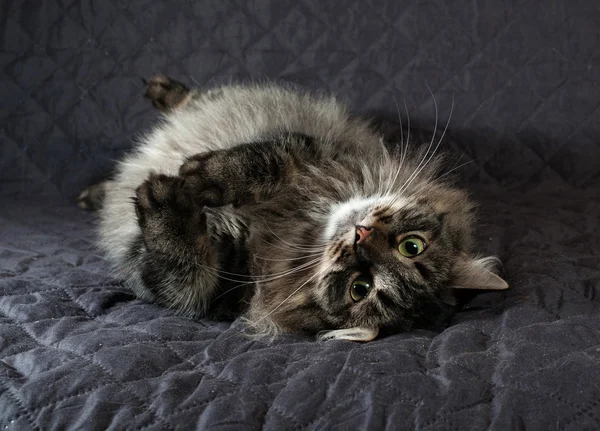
x=281 y=201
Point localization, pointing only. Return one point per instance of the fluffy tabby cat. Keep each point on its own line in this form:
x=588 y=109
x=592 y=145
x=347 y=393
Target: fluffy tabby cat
x=275 y=204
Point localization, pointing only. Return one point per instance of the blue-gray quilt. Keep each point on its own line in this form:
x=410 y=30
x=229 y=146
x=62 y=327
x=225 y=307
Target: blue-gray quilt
x=78 y=351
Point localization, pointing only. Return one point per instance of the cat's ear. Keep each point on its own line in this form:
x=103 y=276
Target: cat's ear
x=470 y=273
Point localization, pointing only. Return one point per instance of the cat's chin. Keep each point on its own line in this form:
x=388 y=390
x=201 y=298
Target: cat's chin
x=350 y=334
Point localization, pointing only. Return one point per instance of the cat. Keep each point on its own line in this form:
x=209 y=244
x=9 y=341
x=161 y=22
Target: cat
x=278 y=205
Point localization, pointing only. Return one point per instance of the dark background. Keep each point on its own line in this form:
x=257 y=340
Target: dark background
x=524 y=76
x=77 y=349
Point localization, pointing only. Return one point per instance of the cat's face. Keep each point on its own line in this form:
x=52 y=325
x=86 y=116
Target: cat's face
x=374 y=262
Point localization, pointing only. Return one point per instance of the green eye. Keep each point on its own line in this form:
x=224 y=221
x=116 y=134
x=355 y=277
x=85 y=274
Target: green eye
x=361 y=286
x=411 y=246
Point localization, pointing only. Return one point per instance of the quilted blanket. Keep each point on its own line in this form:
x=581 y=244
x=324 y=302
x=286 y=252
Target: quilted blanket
x=521 y=82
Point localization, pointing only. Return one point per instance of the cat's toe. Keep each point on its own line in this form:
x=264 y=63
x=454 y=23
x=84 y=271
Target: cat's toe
x=196 y=165
x=151 y=197
x=143 y=202
x=166 y=212
x=204 y=179
x=159 y=191
x=165 y=93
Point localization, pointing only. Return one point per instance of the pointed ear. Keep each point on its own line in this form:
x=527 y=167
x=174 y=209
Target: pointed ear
x=472 y=273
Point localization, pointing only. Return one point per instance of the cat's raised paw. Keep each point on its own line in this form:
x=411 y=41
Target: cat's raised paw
x=208 y=178
x=166 y=93
x=166 y=212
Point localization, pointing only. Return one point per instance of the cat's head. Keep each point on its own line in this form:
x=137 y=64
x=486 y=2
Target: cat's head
x=346 y=270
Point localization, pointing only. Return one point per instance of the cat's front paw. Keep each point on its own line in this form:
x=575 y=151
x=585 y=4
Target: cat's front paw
x=214 y=180
x=167 y=214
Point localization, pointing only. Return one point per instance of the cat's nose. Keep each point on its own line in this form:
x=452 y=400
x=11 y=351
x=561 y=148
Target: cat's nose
x=362 y=233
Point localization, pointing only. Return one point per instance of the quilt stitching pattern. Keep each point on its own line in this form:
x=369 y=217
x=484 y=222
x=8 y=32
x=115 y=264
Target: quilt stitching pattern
x=106 y=373
x=77 y=350
x=95 y=36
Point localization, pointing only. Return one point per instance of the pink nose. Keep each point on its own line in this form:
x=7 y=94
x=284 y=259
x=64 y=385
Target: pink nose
x=362 y=233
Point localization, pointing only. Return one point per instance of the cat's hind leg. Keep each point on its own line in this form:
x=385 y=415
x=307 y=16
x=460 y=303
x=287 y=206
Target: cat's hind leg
x=165 y=93
x=92 y=197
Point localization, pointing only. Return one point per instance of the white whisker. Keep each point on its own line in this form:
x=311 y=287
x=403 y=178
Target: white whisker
x=403 y=146
x=293 y=293
x=296 y=269
x=454 y=168
x=250 y=279
x=438 y=144
x=289 y=249
x=290 y=259
x=319 y=247
x=417 y=169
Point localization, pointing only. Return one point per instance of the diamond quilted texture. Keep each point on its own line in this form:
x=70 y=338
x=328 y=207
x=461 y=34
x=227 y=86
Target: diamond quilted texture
x=77 y=349
x=140 y=366
x=395 y=49
x=93 y=19
x=285 y=34
x=89 y=67
x=180 y=36
x=577 y=160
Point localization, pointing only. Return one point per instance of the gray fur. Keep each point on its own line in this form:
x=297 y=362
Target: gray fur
x=296 y=227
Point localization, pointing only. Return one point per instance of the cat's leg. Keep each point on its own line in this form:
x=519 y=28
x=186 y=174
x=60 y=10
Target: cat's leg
x=166 y=93
x=247 y=173
x=92 y=197
x=175 y=259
